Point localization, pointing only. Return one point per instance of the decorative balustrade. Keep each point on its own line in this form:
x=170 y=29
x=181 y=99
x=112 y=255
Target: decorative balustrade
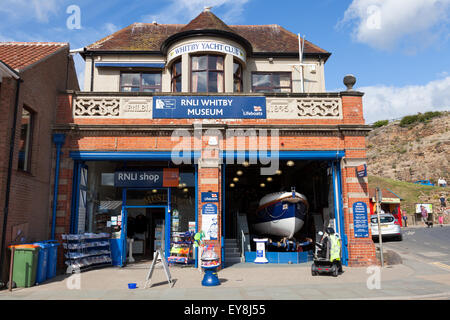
x=108 y=106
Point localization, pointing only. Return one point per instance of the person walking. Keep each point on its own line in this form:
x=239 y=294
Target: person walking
x=405 y=218
x=424 y=213
x=441 y=218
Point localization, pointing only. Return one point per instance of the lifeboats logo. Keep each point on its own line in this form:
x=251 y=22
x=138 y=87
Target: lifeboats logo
x=264 y=142
x=165 y=104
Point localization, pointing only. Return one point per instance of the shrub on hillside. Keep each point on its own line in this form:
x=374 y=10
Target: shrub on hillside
x=380 y=123
x=425 y=117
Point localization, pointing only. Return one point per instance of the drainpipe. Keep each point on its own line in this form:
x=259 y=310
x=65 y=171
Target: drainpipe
x=9 y=174
x=58 y=140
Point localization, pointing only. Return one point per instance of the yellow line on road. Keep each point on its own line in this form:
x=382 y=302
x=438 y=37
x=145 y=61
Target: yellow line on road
x=441 y=265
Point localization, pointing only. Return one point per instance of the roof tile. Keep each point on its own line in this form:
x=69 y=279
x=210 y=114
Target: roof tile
x=19 y=55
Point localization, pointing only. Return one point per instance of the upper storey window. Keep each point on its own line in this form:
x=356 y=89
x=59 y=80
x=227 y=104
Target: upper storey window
x=207 y=73
x=237 y=77
x=176 y=76
x=140 y=82
x=271 y=82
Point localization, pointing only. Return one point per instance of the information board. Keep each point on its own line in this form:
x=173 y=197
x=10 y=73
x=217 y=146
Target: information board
x=210 y=224
x=360 y=221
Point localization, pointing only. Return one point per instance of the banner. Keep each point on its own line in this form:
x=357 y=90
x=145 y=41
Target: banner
x=209 y=107
x=208 y=46
x=168 y=177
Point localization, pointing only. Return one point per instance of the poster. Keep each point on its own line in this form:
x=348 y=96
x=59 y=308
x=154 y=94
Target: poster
x=428 y=207
x=210 y=224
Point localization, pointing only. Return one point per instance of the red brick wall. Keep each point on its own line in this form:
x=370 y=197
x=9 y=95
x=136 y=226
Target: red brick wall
x=30 y=191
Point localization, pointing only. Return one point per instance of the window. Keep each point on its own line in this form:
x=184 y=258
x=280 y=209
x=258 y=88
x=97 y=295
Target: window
x=271 y=82
x=176 y=76
x=140 y=82
x=237 y=77
x=26 y=138
x=207 y=73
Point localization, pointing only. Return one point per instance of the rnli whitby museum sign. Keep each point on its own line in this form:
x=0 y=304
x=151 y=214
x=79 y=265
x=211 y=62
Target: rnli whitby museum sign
x=209 y=107
x=210 y=46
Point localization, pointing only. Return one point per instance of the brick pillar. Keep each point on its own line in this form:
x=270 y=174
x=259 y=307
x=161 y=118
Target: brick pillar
x=209 y=180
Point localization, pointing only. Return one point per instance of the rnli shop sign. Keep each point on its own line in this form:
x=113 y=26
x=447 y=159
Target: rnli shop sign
x=168 y=177
x=202 y=46
x=201 y=107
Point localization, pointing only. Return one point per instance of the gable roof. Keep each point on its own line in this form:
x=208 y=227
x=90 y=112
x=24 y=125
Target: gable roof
x=151 y=37
x=20 y=55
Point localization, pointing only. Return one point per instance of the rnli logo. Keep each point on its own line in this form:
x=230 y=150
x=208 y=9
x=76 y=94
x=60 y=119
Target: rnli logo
x=257 y=109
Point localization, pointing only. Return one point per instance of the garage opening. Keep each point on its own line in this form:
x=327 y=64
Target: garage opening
x=254 y=209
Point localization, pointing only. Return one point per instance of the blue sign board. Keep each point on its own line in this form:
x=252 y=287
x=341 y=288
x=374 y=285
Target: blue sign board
x=210 y=197
x=360 y=222
x=209 y=107
x=138 y=179
x=209 y=208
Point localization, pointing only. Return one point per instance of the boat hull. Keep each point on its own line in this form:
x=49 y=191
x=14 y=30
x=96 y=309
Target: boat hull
x=281 y=214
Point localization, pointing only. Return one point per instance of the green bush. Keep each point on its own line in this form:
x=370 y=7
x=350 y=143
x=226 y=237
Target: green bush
x=420 y=117
x=380 y=123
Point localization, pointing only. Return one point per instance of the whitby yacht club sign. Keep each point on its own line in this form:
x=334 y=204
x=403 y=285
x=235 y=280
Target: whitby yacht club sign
x=211 y=46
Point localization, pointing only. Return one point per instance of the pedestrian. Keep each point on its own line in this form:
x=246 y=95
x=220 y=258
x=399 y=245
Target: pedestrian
x=405 y=218
x=442 y=199
x=424 y=213
x=441 y=218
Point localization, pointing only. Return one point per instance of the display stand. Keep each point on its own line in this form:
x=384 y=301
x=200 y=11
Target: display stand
x=210 y=263
x=86 y=251
x=182 y=248
x=261 y=251
x=152 y=268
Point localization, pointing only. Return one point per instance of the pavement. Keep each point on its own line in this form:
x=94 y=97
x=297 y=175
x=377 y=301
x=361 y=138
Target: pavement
x=411 y=279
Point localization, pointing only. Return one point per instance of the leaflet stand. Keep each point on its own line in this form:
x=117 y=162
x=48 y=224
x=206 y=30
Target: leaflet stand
x=165 y=267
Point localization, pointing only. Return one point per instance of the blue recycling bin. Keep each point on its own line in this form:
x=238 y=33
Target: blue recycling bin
x=41 y=272
x=52 y=257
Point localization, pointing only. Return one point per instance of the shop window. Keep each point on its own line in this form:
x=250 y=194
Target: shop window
x=237 y=77
x=271 y=82
x=207 y=73
x=176 y=76
x=140 y=82
x=26 y=139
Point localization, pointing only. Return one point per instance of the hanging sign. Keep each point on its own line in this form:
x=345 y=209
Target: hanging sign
x=209 y=107
x=210 y=46
x=360 y=221
x=210 y=225
x=361 y=171
x=147 y=179
x=210 y=197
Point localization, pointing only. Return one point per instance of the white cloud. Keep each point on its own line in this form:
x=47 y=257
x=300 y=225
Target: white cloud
x=182 y=11
x=383 y=102
x=37 y=9
x=386 y=24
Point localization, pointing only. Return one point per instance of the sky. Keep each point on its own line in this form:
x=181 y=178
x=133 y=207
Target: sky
x=399 y=50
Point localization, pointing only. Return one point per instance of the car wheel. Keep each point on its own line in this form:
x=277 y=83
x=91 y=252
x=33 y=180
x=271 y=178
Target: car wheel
x=400 y=238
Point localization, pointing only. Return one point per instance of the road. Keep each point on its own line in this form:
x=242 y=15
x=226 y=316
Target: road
x=424 y=246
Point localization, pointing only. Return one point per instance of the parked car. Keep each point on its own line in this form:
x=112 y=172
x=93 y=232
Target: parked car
x=425 y=182
x=389 y=227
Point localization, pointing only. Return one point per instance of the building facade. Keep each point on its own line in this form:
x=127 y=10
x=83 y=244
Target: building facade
x=186 y=127
x=40 y=71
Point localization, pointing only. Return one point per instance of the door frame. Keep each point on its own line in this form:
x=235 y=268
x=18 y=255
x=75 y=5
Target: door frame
x=123 y=246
